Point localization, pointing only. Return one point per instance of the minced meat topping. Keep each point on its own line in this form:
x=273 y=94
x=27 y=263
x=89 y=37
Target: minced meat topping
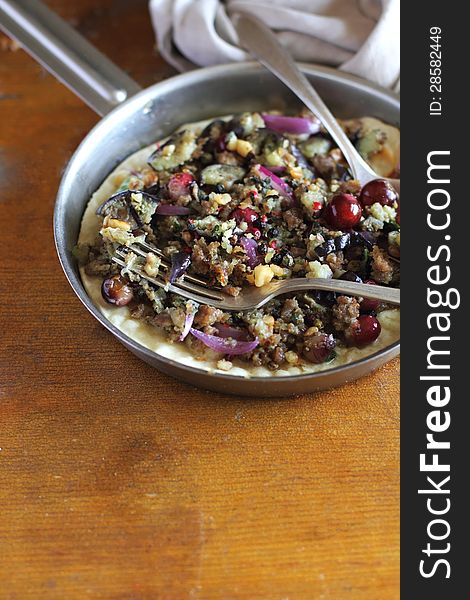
x=242 y=204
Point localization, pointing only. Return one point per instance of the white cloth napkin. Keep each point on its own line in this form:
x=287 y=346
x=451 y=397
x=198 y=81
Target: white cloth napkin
x=358 y=36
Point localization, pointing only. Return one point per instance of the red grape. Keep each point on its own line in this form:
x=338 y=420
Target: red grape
x=379 y=191
x=179 y=184
x=116 y=290
x=367 y=330
x=244 y=214
x=368 y=304
x=318 y=348
x=343 y=212
x=255 y=231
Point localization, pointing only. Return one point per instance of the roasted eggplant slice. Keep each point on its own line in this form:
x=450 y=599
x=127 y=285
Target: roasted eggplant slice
x=225 y=175
x=134 y=207
x=316 y=144
x=175 y=152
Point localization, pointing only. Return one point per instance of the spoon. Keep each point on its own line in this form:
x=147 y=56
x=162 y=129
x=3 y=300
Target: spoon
x=261 y=42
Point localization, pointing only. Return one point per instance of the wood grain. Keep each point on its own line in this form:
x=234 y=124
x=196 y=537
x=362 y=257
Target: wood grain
x=117 y=482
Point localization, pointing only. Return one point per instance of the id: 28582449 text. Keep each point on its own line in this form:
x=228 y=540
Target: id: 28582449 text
x=435 y=71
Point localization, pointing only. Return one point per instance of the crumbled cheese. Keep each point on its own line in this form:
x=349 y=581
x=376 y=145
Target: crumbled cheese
x=314 y=240
x=117 y=235
x=372 y=224
x=310 y=194
x=168 y=150
x=319 y=271
x=295 y=172
x=269 y=256
x=378 y=215
x=133 y=262
x=386 y=214
x=226 y=245
x=262 y=327
x=263 y=275
x=231 y=142
x=214 y=226
x=279 y=271
x=272 y=159
x=224 y=365
x=228 y=225
x=292 y=357
x=145 y=208
x=250 y=122
x=272 y=201
x=243 y=148
x=116 y=224
x=152 y=264
x=221 y=199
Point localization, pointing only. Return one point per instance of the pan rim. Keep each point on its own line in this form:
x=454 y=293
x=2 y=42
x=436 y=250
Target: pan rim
x=141 y=99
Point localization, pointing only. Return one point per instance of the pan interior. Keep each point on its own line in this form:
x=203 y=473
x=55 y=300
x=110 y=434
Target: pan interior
x=157 y=111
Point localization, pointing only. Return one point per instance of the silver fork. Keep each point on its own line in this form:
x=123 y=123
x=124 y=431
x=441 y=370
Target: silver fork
x=250 y=297
x=260 y=41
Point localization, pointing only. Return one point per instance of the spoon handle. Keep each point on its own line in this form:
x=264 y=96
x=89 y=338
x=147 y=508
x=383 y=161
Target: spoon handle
x=339 y=286
x=263 y=44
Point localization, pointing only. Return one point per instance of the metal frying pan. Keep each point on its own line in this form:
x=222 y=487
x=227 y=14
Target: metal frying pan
x=134 y=118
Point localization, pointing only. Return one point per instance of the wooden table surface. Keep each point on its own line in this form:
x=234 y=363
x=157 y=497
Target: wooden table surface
x=119 y=482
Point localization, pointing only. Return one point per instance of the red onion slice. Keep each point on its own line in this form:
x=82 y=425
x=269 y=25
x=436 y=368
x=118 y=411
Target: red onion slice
x=171 y=210
x=295 y=125
x=188 y=323
x=278 y=169
x=278 y=184
x=225 y=345
x=227 y=331
x=250 y=246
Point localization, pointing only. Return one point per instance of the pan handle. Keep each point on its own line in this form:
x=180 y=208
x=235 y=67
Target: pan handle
x=66 y=54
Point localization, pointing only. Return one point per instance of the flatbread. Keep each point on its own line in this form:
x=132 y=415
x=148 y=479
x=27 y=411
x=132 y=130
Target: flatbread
x=154 y=340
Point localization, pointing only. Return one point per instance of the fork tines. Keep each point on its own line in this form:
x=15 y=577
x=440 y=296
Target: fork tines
x=143 y=248
x=192 y=287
